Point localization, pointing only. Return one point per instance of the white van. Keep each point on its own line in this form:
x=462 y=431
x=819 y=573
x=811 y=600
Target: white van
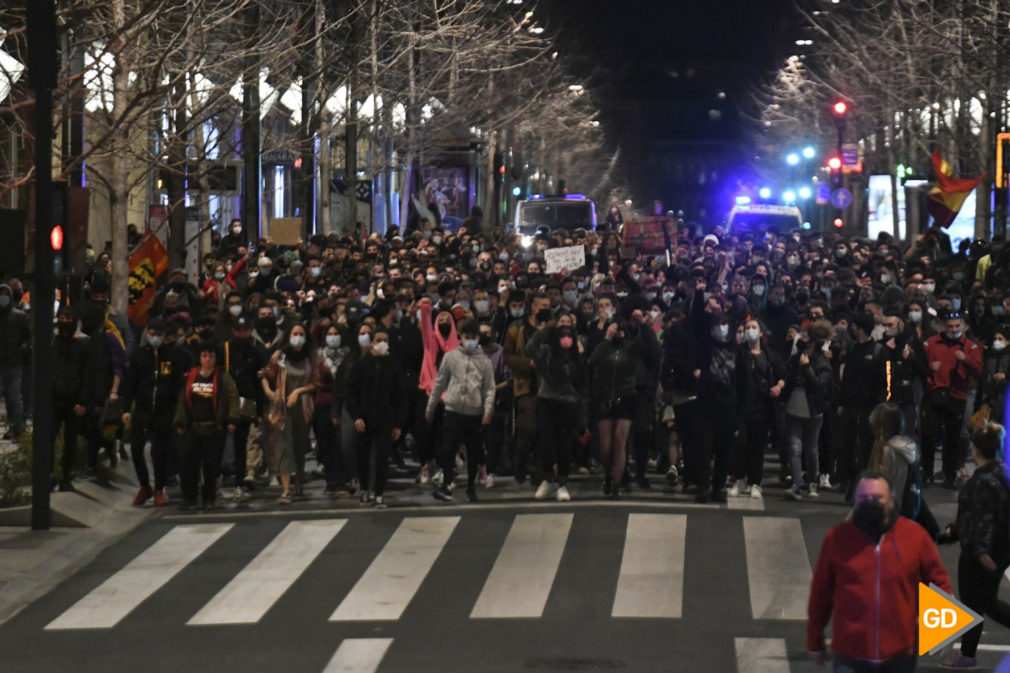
x=760 y=216
x=547 y=213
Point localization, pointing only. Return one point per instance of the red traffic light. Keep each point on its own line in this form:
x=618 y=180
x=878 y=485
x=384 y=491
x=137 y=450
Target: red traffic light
x=840 y=107
x=835 y=163
x=56 y=238
x=839 y=223
x=501 y=169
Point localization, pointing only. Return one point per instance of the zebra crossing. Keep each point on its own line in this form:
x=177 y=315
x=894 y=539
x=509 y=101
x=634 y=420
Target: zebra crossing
x=649 y=583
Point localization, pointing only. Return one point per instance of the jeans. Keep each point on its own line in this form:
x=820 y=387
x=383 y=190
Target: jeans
x=10 y=382
x=897 y=665
x=459 y=428
x=803 y=436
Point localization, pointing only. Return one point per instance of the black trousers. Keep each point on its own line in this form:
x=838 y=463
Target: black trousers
x=717 y=434
x=328 y=446
x=941 y=420
x=557 y=433
x=855 y=444
x=241 y=438
x=687 y=427
x=526 y=438
x=979 y=590
x=200 y=452
x=144 y=426
x=457 y=429
x=748 y=461
x=374 y=444
x=70 y=423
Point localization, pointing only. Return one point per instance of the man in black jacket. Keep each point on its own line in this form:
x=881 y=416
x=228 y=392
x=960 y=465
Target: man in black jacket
x=243 y=357
x=377 y=401
x=70 y=388
x=149 y=395
x=14 y=342
x=862 y=388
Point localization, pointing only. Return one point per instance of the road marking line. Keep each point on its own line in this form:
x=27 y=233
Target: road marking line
x=761 y=655
x=651 y=581
x=395 y=575
x=117 y=596
x=358 y=655
x=778 y=568
x=251 y=593
x=524 y=571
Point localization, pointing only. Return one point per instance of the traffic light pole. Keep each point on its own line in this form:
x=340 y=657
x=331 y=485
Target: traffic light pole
x=42 y=69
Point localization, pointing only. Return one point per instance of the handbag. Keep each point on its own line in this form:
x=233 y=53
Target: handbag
x=112 y=413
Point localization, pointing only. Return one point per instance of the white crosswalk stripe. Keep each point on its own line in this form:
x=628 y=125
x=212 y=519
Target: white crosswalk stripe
x=524 y=571
x=761 y=655
x=138 y=580
x=778 y=567
x=651 y=582
x=358 y=655
x=248 y=597
x=389 y=584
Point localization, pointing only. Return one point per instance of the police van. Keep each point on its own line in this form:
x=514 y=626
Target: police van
x=544 y=214
x=762 y=216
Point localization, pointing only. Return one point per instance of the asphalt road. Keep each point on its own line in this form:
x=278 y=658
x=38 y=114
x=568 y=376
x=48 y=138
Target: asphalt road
x=504 y=585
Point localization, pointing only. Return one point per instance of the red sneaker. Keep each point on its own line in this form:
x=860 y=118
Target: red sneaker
x=160 y=500
x=143 y=495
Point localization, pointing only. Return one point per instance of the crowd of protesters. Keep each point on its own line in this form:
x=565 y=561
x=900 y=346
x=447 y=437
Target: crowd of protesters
x=428 y=344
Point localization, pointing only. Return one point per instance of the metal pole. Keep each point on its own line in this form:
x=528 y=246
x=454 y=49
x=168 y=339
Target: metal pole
x=42 y=78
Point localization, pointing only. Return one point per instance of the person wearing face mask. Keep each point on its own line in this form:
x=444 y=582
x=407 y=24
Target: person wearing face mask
x=524 y=385
x=954 y=364
x=762 y=375
x=467 y=379
x=149 y=393
x=907 y=371
x=224 y=324
x=15 y=341
x=679 y=386
x=70 y=389
x=497 y=459
x=777 y=316
x=439 y=338
x=265 y=330
x=981 y=529
x=561 y=385
x=222 y=281
x=233 y=239
x=243 y=357
x=376 y=399
x=995 y=370
x=866 y=582
x=718 y=405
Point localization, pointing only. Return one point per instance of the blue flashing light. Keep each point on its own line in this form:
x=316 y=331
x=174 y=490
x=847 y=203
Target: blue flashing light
x=765 y=193
x=809 y=152
x=806 y=225
x=742 y=200
x=574 y=197
x=516 y=191
x=792 y=159
x=805 y=192
x=534 y=197
x=789 y=196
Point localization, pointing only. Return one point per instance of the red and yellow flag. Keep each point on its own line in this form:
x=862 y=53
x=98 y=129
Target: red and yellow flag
x=147 y=262
x=948 y=194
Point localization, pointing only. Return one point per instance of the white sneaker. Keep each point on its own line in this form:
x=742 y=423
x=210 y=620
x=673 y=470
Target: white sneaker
x=438 y=478
x=812 y=490
x=733 y=491
x=489 y=483
x=542 y=490
x=424 y=476
x=738 y=488
x=755 y=491
x=825 y=482
x=239 y=494
x=563 y=494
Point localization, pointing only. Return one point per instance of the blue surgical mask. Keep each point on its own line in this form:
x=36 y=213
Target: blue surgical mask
x=956 y=303
x=471 y=345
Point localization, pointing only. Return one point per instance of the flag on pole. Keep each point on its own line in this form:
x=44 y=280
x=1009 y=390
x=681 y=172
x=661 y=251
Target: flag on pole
x=948 y=194
x=147 y=262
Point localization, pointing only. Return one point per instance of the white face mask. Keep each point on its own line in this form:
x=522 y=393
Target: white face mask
x=315 y=271
x=381 y=348
x=668 y=296
x=235 y=310
x=720 y=332
x=915 y=316
x=751 y=334
x=219 y=275
x=482 y=305
x=758 y=290
x=929 y=287
x=998 y=345
x=431 y=277
x=655 y=315
x=364 y=340
x=297 y=340
x=470 y=345
x=333 y=341
x=236 y=231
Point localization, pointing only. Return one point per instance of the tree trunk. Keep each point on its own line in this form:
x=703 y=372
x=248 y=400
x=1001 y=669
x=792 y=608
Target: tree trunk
x=175 y=178
x=118 y=190
x=325 y=160
x=252 y=168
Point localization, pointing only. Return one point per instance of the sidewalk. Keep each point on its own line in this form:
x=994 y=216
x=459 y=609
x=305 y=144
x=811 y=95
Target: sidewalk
x=85 y=522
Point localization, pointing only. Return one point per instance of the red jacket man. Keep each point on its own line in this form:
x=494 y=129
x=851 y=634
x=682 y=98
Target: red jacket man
x=866 y=581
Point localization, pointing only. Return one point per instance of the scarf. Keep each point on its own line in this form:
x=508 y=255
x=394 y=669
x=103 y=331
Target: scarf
x=434 y=343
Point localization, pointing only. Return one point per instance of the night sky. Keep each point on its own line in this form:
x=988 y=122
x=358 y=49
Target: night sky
x=658 y=68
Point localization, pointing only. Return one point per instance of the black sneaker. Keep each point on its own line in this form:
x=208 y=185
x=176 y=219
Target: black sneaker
x=615 y=493
x=471 y=495
x=379 y=502
x=794 y=494
x=718 y=495
x=443 y=493
x=608 y=487
x=642 y=482
x=701 y=495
